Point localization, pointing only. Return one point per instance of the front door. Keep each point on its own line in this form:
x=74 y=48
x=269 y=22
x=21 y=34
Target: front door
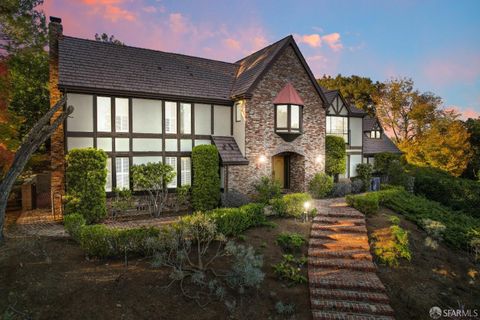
x=279 y=170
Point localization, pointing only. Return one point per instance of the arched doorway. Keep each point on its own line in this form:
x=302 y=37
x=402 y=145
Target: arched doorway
x=288 y=168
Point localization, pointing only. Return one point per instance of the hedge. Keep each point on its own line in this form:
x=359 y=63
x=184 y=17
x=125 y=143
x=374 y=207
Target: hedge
x=292 y=205
x=320 y=186
x=366 y=203
x=233 y=221
x=453 y=192
x=86 y=176
x=335 y=155
x=206 y=180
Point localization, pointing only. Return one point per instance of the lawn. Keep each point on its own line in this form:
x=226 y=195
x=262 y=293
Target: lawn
x=51 y=279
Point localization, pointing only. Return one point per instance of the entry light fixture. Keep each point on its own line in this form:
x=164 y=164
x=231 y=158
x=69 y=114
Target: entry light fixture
x=262 y=159
x=318 y=159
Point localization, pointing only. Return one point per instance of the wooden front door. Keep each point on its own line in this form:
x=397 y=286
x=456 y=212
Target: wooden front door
x=279 y=169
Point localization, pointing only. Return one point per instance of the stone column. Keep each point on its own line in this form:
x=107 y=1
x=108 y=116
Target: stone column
x=57 y=155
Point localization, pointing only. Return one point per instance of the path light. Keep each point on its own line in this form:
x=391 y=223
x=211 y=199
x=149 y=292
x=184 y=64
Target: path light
x=306 y=205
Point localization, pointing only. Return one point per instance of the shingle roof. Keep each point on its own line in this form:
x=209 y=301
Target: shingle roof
x=330 y=95
x=229 y=151
x=288 y=95
x=374 y=146
x=93 y=64
x=355 y=110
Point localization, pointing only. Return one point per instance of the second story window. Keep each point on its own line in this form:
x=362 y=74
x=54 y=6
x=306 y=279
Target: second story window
x=338 y=126
x=288 y=118
x=375 y=134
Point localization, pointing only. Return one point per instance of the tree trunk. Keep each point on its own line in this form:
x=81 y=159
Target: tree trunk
x=40 y=132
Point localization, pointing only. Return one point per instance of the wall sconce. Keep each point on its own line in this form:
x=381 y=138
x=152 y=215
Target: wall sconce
x=319 y=159
x=261 y=160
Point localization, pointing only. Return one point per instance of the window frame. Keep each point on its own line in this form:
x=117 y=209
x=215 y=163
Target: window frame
x=342 y=134
x=288 y=129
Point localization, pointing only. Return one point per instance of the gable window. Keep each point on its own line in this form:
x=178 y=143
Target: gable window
x=375 y=134
x=288 y=118
x=338 y=126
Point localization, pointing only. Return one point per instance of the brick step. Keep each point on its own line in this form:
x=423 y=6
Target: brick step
x=353 y=215
x=327 y=244
x=346 y=280
x=360 y=265
x=352 y=307
x=339 y=235
x=350 y=295
x=330 y=315
x=328 y=220
x=340 y=228
x=352 y=254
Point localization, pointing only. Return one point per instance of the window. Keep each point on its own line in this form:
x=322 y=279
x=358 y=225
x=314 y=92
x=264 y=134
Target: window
x=170 y=117
x=74 y=143
x=185 y=118
x=172 y=161
x=222 y=120
x=104 y=114
x=147 y=145
x=105 y=144
x=288 y=118
x=185 y=145
x=121 y=115
x=145 y=160
x=147 y=116
x=203 y=119
x=108 y=184
x=122 y=173
x=185 y=171
x=238 y=111
x=338 y=126
x=122 y=144
x=375 y=134
x=82 y=117
x=171 y=145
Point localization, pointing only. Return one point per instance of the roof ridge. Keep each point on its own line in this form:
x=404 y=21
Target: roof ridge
x=264 y=48
x=147 y=49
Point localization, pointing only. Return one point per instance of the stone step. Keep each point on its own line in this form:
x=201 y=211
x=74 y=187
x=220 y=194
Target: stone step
x=350 y=295
x=333 y=220
x=333 y=315
x=340 y=228
x=328 y=244
x=352 y=254
x=339 y=236
x=352 y=307
x=360 y=265
x=345 y=280
x=352 y=215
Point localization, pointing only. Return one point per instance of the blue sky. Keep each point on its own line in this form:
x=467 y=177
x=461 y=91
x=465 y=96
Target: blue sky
x=437 y=43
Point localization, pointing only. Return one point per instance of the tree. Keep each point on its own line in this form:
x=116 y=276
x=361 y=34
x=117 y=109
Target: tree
x=444 y=145
x=40 y=132
x=108 y=39
x=153 y=178
x=404 y=111
x=336 y=155
x=473 y=167
x=356 y=90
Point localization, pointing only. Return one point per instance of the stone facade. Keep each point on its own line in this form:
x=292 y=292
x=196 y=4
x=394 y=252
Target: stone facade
x=57 y=139
x=307 y=151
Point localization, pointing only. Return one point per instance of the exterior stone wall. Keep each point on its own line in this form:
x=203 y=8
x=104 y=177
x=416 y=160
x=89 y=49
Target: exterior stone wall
x=57 y=139
x=260 y=136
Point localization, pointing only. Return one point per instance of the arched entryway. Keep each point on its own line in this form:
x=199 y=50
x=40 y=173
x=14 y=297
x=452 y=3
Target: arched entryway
x=288 y=168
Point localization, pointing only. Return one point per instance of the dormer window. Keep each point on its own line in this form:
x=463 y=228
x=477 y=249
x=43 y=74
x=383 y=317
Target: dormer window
x=375 y=134
x=288 y=118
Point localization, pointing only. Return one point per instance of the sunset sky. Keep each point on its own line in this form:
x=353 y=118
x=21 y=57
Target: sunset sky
x=437 y=43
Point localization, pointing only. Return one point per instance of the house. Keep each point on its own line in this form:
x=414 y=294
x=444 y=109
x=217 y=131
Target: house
x=265 y=113
x=363 y=134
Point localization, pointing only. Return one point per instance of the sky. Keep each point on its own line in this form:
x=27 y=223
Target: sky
x=434 y=42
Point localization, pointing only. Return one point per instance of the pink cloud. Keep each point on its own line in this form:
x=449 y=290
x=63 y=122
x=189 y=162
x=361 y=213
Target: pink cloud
x=333 y=41
x=109 y=9
x=232 y=43
x=178 y=23
x=149 y=9
x=316 y=40
x=463 y=113
x=313 y=40
x=453 y=68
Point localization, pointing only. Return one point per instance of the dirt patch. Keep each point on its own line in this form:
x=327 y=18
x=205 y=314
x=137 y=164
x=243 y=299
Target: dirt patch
x=51 y=279
x=443 y=277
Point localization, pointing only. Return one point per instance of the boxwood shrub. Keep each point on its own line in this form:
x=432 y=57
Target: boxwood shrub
x=233 y=221
x=320 y=185
x=366 y=203
x=292 y=205
x=86 y=177
x=206 y=180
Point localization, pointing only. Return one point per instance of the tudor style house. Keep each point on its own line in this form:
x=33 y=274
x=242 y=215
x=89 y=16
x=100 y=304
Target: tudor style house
x=265 y=113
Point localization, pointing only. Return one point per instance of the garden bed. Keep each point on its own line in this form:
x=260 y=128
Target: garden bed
x=76 y=288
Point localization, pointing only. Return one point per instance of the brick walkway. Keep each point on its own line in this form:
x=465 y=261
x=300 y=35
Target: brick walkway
x=342 y=279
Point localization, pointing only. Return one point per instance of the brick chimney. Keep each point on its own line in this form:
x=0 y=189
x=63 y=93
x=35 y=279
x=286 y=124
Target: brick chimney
x=57 y=153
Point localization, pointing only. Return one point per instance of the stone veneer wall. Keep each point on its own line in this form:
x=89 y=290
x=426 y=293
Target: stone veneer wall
x=57 y=139
x=260 y=135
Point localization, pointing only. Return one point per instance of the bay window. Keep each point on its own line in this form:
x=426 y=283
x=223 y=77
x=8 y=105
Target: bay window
x=288 y=118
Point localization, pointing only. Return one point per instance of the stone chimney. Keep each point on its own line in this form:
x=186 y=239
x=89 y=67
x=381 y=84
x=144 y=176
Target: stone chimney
x=57 y=153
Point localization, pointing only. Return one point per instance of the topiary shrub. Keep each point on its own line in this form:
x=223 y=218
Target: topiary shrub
x=335 y=155
x=364 y=173
x=234 y=199
x=86 y=177
x=320 y=185
x=366 y=203
x=267 y=189
x=73 y=223
x=206 y=179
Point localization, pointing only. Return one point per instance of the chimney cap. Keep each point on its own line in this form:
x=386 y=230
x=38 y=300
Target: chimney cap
x=55 y=19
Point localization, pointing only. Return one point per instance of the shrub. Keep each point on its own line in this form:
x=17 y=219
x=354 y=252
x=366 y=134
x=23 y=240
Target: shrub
x=86 y=176
x=233 y=221
x=341 y=189
x=290 y=242
x=279 y=207
x=122 y=201
x=364 y=173
x=183 y=194
x=246 y=271
x=365 y=203
x=320 y=185
x=206 y=179
x=357 y=186
x=294 y=204
x=267 y=189
x=434 y=228
x=153 y=178
x=284 y=309
x=391 y=247
x=453 y=192
x=74 y=222
x=335 y=155
x=290 y=269
x=234 y=199
x=384 y=160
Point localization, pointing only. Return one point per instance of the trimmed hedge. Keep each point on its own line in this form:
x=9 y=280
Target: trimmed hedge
x=453 y=192
x=320 y=185
x=335 y=155
x=233 y=221
x=366 y=203
x=206 y=179
x=86 y=177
